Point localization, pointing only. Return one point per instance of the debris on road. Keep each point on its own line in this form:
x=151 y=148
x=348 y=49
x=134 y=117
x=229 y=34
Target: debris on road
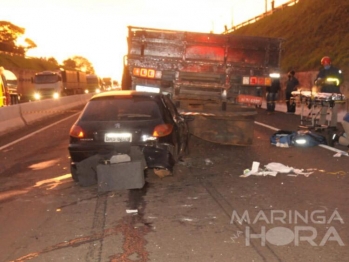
x=120 y=158
x=131 y=211
x=340 y=173
x=208 y=162
x=162 y=172
x=339 y=153
x=272 y=169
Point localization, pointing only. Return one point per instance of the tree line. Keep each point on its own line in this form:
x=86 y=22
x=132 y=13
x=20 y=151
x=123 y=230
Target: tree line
x=11 y=33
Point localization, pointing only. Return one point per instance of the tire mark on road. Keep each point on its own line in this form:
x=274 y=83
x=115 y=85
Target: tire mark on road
x=95 y=248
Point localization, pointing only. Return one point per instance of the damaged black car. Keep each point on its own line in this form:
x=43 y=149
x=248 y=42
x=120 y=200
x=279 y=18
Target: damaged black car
x=113 y=123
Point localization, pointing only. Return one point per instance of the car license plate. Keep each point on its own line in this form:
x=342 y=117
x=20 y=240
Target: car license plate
x=117 y=137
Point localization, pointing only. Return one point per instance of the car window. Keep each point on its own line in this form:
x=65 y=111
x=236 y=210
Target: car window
x=121 y=109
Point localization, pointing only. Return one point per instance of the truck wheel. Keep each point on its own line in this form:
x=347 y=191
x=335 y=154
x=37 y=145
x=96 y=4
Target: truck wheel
x=74 y=173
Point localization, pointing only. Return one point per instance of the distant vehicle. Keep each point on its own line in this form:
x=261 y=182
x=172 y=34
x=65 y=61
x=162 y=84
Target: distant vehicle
x=110 y=84
x=8 y=88
x=50 y=84
x=94 y=84
x=113 y=121
x=107 y=83
x=116 y=85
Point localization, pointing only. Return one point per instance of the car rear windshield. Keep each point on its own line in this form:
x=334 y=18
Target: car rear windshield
x=115 y=109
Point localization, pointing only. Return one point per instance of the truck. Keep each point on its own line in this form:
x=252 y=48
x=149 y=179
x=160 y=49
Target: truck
x=94 y=84
x=213 y=78
x=8 y=88
x=54 y=84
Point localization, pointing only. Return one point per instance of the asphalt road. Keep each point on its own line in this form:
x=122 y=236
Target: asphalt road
x=205 y=212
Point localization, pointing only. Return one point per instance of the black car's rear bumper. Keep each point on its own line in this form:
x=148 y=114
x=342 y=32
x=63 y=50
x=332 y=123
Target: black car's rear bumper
x=156 y=156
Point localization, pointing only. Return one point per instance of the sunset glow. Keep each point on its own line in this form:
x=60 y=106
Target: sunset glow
x=97 y=29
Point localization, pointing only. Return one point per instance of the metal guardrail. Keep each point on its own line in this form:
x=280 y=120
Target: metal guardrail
x=256 y=18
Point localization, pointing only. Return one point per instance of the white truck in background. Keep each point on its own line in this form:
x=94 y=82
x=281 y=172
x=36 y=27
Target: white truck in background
x=94 y=84
x=54 y=84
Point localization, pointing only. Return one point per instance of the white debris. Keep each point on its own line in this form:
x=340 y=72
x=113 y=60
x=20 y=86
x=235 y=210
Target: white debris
x=278 y=144
x=120 y=158
x=187 y=219
x=131 y=211
x=342 y=153
x=277 y=167
x=208 y=162
x=255 y=170
x=339 y=154
x=272 y=169
x=300 y=172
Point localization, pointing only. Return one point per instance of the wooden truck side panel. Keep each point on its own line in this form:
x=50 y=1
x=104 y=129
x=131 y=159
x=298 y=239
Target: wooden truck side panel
x=212 y=77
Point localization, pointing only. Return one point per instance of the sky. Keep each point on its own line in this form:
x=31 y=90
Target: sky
x=97 y=29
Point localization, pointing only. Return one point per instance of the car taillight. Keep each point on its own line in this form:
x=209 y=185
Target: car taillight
x=76 y=131
x=162 y=130
x=147 y=73
x=256 y=81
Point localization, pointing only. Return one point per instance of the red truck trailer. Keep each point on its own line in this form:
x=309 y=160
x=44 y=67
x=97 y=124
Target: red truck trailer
x=213 y=77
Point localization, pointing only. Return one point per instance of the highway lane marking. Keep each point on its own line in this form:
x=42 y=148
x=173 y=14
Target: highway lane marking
x=37 y=131
x=267 y=126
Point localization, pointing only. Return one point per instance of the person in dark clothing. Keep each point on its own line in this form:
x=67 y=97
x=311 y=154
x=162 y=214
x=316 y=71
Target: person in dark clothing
x=272 y=94
x=328 y=80
x=291 y=85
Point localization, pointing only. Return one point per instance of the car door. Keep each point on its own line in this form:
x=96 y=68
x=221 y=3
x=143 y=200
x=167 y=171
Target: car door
x=182 y=126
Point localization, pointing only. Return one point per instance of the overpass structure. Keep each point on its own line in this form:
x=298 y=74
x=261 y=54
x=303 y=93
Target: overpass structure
x=267 y=13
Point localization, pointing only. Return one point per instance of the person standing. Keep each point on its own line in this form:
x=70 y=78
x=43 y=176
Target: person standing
x=272 y=93
x=291 y=85
x=329 y=79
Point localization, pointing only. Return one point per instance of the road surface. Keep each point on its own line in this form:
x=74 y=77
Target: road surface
x=205 y=212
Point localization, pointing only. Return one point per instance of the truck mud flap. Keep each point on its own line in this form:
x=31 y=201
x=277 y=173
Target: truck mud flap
x=230 y=130
x=222 y=123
